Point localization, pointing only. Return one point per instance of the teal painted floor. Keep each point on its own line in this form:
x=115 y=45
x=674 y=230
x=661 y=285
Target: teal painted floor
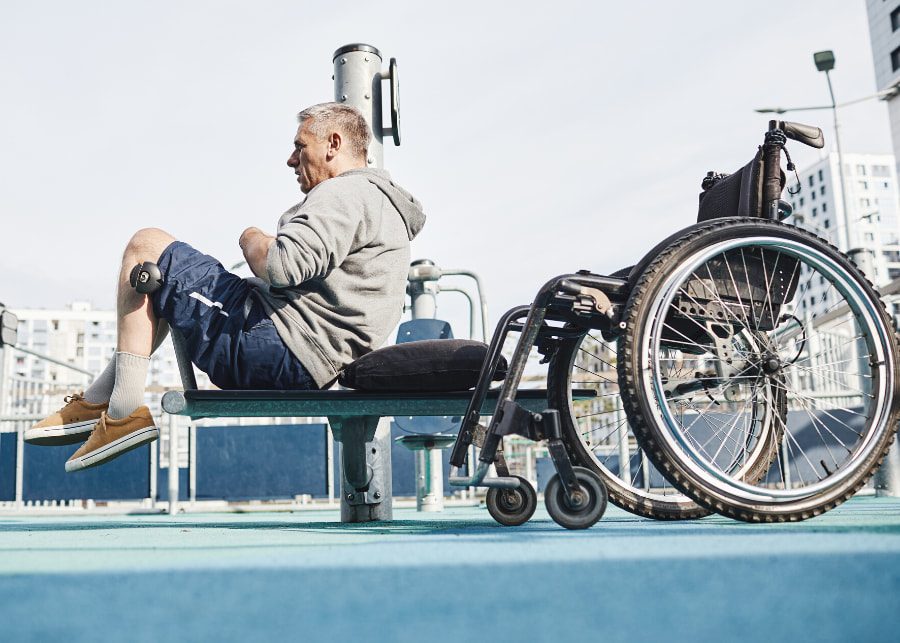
x=456 y=576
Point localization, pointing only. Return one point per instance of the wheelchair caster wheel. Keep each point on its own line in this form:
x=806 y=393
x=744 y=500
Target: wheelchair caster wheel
x=512 y=507
x=589 y=503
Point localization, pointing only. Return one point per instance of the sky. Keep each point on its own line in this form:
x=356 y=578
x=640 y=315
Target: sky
x=542 y=138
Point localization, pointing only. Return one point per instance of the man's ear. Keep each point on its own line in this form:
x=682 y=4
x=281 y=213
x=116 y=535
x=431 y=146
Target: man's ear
x=334 y=145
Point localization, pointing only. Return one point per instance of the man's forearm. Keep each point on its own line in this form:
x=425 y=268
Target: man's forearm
x=255 y=245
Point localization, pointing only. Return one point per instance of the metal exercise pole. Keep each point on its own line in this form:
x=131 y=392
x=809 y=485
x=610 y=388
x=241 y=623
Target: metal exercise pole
x=366 y=450
x=357 y=82
x=423 y=289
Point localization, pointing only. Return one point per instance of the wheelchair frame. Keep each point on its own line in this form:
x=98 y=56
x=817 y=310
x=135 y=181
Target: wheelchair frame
x=581 y=301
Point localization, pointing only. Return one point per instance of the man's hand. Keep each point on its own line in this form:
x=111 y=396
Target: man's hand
x=255 y=244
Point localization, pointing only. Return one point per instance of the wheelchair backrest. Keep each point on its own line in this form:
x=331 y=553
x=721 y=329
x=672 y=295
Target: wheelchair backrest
x=735 y=195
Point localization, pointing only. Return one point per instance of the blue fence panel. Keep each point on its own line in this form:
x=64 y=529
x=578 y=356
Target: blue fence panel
x=45 y=478
x=7 y=466
x=264 y=462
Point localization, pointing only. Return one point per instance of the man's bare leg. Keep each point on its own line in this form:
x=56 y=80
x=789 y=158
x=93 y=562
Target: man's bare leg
x=144 y=244
x=136 y=325
x=139 y=331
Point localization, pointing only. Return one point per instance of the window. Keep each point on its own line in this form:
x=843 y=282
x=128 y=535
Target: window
x=865 y=203
x=812 y=195
x=885 y=184
x=895 y=19
x=821 y=176
x=826 y=223
x=824 y=208
x=814 y=213
x=881 y=170
x=801 y=201
x=895 y=59
x=861 y=170
x=810 y=180
x=863 y=185
x=822 y=190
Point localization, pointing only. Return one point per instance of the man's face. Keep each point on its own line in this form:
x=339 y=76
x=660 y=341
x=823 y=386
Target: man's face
x=309 y=159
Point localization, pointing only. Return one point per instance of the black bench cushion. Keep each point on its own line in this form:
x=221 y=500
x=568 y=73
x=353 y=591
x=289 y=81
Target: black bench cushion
x=429 y=365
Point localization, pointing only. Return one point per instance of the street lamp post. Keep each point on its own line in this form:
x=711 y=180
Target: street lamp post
x=825 y=62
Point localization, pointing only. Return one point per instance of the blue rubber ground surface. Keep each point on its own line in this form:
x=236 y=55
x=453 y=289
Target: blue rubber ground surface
x=455 y=576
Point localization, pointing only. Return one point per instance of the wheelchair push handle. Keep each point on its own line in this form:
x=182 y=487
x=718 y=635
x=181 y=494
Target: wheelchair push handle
x=806 y=134
x=776 y=137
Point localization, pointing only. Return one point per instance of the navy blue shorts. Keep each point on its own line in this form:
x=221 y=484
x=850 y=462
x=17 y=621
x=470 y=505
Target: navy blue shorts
x=228 y=333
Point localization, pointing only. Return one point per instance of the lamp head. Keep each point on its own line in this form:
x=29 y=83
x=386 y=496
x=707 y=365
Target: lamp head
x=824 y=60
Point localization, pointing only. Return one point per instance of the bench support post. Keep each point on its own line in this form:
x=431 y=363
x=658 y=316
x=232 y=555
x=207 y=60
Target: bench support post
x=429 y=480
x=366 y=493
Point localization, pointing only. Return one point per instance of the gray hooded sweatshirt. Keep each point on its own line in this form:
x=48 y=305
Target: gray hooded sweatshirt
x=337 y=270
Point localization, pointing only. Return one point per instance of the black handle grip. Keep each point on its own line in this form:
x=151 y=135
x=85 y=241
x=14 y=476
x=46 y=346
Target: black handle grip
x=806 y=134
x=395 y=101
x=569 y=287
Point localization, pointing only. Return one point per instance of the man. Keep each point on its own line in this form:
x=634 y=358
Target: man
x=331 y=285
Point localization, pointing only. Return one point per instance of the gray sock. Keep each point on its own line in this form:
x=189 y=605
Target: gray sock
x=101 y=388
x=131 y=379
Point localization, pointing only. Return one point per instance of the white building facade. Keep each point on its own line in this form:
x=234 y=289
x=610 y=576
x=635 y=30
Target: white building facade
x=869 y=230
x=884 y=35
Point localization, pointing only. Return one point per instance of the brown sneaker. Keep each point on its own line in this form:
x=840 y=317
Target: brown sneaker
x=71 y=424
x=111 y=438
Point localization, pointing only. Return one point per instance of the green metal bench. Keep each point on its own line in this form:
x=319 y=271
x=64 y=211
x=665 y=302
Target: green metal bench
x=355 y=419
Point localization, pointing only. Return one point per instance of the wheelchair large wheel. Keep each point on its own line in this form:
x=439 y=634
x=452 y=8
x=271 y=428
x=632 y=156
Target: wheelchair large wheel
x=727 y=325
x=599 y=437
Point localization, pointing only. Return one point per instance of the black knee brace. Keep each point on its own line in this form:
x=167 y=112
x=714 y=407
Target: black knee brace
x=145 y=277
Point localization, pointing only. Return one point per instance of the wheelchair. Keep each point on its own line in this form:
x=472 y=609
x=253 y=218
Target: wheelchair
x=744 y=366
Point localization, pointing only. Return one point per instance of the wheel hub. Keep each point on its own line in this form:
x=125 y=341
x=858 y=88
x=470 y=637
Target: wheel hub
x=577 y=498
x=512 y=501
x=771 y=364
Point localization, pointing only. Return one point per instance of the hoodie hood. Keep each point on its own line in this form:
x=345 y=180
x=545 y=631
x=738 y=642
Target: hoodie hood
x=407 y=205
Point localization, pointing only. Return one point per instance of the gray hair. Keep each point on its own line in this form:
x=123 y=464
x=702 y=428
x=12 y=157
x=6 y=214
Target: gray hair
x=326 y=118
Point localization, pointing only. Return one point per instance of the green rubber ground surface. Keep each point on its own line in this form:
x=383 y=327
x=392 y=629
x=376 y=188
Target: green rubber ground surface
x=456 y=576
